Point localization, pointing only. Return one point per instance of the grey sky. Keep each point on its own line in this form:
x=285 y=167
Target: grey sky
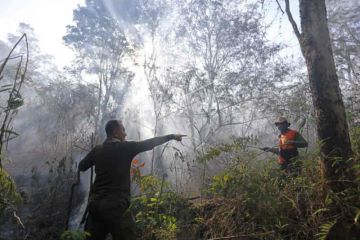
x=48 y=18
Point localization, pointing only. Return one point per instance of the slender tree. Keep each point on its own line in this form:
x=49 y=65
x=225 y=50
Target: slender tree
x=100 y=44
x=226 y=65
x=151 y=15
x=332 y=127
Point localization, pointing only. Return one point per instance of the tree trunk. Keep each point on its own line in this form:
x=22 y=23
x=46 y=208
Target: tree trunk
x=332 y=127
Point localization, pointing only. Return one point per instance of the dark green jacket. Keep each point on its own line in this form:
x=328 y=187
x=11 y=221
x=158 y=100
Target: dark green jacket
x=112 y=161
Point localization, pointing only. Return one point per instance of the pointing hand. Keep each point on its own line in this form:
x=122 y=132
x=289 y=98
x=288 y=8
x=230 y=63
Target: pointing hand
x=265 y=149
x=178 y=137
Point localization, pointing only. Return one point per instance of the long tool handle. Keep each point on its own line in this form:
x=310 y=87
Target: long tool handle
x=70 y=200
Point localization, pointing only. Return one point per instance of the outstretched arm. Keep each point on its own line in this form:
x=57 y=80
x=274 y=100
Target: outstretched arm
x=150 y=143
x=271 y=149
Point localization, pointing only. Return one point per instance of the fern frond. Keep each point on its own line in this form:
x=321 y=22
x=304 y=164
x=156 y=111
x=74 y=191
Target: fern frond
x=325 y=230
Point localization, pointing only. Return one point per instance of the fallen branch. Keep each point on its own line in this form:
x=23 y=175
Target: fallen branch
x=229 y=237
x=18 y=219
x=242 y=236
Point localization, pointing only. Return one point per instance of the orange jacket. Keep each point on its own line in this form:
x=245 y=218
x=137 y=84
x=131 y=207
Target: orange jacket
x=289 y=135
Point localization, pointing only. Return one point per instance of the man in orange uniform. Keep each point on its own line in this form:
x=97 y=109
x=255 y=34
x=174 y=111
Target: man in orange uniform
x=289 y=142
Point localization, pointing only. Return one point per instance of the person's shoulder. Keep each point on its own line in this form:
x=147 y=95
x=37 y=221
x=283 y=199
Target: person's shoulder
x=130 y=143
x=289 y=132
x=99 y=146
x=128 y=146
x=293 y=130
x=126 y=143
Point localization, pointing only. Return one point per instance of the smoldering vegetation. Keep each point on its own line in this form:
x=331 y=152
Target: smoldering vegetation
x=207 y=69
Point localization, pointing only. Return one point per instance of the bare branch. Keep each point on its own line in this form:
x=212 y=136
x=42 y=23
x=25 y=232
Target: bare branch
x=18 y=219
x=228 y=237
x=82 y=148
x=12 y=58
x=9 y=55
x=14 y=92
x=292 y=21
x=280 y=7
x=243 y=235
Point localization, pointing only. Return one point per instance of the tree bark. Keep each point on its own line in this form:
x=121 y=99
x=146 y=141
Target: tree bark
x=332 y=127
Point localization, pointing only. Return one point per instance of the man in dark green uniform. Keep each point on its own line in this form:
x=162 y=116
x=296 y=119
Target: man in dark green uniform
x=110 y=193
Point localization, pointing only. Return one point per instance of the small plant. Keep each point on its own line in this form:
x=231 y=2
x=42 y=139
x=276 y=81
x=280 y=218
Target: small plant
x=158 y=211
x=74 y=235
x=9 y=197
x=255 y=199
x=355 y=138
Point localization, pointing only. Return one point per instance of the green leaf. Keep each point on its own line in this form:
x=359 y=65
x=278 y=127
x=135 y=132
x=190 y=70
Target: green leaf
x=356 y=219
x=325 y=230
x=320 y=211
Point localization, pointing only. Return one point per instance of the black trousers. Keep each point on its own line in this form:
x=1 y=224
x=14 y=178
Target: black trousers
x=291 y=165
x=110 y=215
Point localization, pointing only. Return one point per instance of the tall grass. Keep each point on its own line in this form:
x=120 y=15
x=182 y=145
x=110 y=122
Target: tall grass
x=254 y=199
x=251 y=199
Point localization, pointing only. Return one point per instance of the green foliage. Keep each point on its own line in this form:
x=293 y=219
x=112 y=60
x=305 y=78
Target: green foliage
x=238 y=145
x=9 y=197
x=325 y=230
x=255 y=199
x=149 y=185
x=15 y=101
x=74 y=235
x=158 y=214
x=355 y=138
x=223 y=184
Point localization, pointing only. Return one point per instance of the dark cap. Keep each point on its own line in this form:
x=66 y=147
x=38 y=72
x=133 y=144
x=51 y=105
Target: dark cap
x=281 y=120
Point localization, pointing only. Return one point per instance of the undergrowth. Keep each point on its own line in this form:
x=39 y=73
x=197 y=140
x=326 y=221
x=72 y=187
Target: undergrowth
x=9 y=197
x=159 y=211
x=251 y=199
x=254 y=200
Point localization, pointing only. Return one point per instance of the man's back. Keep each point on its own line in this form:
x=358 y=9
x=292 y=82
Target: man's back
x=112 y=161
x=109 y=198
x=112 y=168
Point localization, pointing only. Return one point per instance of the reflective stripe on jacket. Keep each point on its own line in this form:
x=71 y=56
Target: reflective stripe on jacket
x=287 y=150
x=289 y=135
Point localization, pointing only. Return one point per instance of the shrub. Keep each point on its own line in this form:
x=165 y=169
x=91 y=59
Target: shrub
x=73 y=235
x=158 y=211
x=9 y=197
x=256 y=200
